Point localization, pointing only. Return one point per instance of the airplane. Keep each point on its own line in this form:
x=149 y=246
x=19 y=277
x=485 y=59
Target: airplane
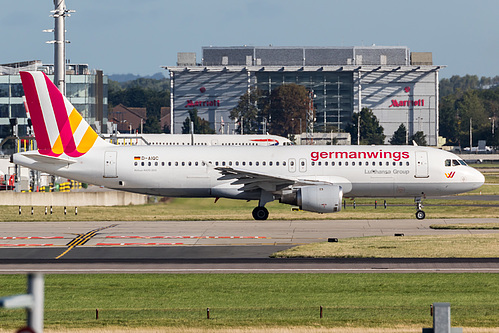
x=314 y=178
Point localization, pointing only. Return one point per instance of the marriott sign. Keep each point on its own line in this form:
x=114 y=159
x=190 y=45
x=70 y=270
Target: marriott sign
x=399 y=103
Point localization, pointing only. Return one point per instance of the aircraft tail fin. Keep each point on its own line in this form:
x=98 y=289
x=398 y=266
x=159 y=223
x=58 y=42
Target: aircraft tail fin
x=58 y=126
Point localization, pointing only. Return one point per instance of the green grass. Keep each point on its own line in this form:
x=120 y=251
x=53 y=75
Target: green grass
x=258 y=300
x=196 y=209
x=467 y=226
x=448 y=246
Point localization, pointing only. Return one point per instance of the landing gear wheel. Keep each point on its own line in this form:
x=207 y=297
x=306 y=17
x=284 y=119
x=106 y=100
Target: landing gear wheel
x=420 y=215
x=260 y=213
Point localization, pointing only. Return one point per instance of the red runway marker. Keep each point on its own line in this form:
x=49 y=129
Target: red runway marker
x=33 y=237
x=127 y=244
x=188 y=237
x=20 y=245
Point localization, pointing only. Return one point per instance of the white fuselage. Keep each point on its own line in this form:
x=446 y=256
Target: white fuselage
x=190 y=171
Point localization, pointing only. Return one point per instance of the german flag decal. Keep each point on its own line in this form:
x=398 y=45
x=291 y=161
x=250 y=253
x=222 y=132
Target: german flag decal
x=136 y=158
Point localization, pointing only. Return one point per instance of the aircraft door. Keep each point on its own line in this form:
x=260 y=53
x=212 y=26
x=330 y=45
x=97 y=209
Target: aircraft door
x=110 y=166
x=303 y=164
x=421 y=164
x=292 y=165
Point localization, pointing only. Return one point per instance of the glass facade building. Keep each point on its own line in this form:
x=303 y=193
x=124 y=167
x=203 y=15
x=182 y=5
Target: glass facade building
x=87 y=92
x=399 y=86
x=332 y=94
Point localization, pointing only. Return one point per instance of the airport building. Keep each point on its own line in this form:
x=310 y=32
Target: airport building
x=85 y=89
x=401 y=87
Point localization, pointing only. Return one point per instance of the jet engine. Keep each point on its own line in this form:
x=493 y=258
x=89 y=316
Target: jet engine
x=315 y=198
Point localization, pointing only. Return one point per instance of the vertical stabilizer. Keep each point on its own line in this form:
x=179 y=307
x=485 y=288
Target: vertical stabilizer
x=58 y=126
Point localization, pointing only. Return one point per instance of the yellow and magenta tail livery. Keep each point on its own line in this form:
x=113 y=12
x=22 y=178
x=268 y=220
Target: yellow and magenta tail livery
x=58 y=127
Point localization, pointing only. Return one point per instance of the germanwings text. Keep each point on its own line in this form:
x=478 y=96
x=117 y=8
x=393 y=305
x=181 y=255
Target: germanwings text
x=396 y=155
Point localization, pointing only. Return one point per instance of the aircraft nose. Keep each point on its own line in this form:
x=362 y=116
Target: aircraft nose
x=476 y=178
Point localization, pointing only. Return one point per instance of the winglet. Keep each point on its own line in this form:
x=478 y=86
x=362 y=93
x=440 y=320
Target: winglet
x=58 y=126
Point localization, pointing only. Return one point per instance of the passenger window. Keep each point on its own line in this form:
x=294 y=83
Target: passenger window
x=270 y=163
x=332 y=163
x=380 y=163
x=169 y=163
x=292 y=163
x=155 y=163
x=263 y=163
x=353 y=163
x=284 y=163
x=223 y=163
x=339 y=163
x=250 y=163
x=302 y=163
x=277 y=163
x=400 y=163
x=216 y=163
x=162 y=163
x=190 y=163
x=313 y=163
x=374 y=163
x=237 y=163
x=244 y=163
x=183 y=163
x=257 y=163
x=394 y=163
x=148 y=163
x=326 y=163
x=319 y=163
x=346 y=163
x=196 y=163
x=230 y=163
x=387 y=163
x=407 y=163
x=136 y=163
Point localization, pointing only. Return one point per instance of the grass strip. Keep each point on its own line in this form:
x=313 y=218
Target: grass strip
x=196 y=209
x=467 y=226
x=258 y=300
x=448 y=246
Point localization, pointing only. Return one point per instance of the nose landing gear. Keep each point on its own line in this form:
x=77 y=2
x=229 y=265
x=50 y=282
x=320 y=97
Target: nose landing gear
x=420 y=214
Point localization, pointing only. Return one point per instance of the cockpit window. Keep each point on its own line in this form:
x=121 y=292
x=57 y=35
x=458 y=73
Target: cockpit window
x=462 y=162
x=455 y=163
x=447 y=162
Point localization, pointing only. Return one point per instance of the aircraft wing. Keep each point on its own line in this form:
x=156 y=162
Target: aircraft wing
x=255 y=180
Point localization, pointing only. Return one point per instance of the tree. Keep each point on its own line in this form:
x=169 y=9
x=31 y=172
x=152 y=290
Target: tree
x=371 y=133
x=287 y=102
x=420 y=138
x=399 y=136
x=470 y=106
x=152 y=125
x=246 y=113
x=201 y=126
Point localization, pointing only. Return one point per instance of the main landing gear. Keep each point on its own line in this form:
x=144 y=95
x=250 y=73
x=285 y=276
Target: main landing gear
x=260 y=213
x=420 y=215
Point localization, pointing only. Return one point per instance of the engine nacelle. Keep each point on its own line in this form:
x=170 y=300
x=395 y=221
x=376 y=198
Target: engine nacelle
x=315 y=198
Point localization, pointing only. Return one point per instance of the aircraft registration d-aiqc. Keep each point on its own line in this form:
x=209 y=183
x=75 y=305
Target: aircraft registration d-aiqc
x=315 y=178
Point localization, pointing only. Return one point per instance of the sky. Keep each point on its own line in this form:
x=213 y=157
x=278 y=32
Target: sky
x=139 y=37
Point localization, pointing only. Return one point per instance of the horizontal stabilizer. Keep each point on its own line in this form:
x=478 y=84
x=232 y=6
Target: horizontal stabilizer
x=48 y=159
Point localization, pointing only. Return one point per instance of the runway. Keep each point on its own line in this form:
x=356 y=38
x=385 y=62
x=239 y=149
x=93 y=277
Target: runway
x=211 y=247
